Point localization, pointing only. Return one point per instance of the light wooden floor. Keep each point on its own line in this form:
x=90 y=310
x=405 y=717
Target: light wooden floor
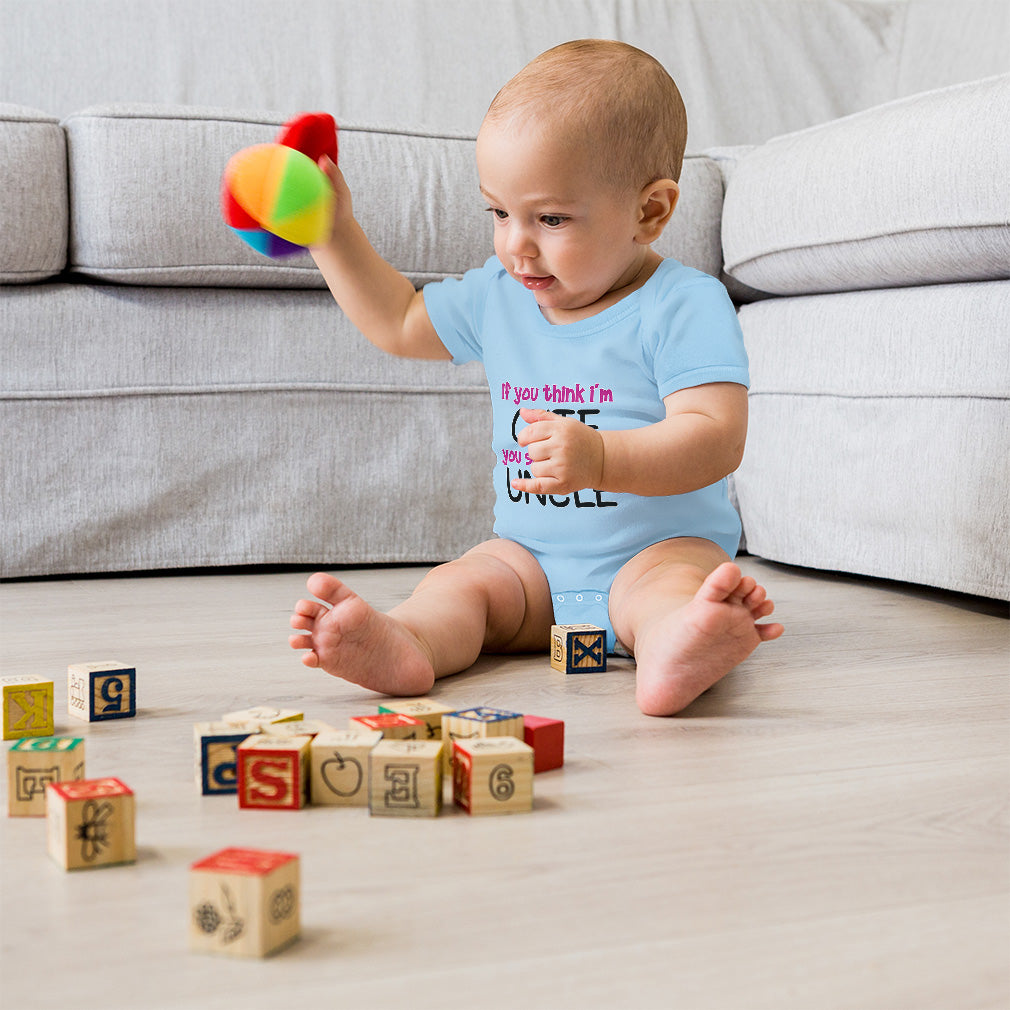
x=827 y=828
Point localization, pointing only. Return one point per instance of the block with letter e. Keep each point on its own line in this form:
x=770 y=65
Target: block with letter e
x=34 y=763
x=273 y=772
x=244 y=902
x=102 y=690
x=578 y=648
x=27 y=707
x=90 y=823
x=405 y=778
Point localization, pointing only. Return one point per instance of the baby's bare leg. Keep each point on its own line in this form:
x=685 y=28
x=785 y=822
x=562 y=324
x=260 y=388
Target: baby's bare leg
x=495 y=598
x=689 y=616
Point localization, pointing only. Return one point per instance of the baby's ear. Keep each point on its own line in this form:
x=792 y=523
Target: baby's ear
x=657 y=203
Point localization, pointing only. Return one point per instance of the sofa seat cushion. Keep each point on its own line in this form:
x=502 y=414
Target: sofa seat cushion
x=908 y=193
x=33 y=197
x=177 y=427
x=145 y=184
x=880 y=433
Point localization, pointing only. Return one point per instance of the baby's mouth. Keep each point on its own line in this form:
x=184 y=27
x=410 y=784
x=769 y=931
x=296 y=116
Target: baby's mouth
x=536 y=283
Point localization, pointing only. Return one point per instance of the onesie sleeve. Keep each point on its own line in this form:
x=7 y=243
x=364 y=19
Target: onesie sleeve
x=696 y=336
x=455 y=307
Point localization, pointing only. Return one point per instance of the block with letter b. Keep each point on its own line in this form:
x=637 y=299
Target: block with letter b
x=216 y=758
x=102 y=690
x=36 y=762
x=273 y=772
x=90 y=823
x=340 y=767
x=405 y=778
x=244 y=902
x=27 y=707
x=578 y=648
x=492 y=775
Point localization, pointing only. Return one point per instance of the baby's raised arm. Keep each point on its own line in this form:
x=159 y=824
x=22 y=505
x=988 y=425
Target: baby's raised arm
x=376 y=297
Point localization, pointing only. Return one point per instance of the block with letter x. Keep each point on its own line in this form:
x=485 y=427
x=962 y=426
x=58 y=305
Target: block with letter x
x=578 y=648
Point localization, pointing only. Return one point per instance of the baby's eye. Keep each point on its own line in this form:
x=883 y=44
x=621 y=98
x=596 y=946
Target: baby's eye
x=500 y=215
x=552 y=220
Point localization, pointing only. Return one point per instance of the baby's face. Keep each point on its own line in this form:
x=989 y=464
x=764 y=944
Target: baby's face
x=558 y=230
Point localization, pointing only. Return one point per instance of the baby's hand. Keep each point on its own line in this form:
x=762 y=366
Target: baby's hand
x=342 y=205
x=567 y=454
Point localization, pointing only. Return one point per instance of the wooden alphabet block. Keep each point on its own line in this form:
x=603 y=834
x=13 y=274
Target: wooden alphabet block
x=428 y=711
x=391 y=725
x=547 y=738
x=100 y=691
x=216 y=758
x=340 y=767
x=90 y=823
x=469 y=723
x=244 y=902
x=578 y=648
x=405 y=778
x=27 y=707
x=264 y=715
x=273 y=772
x=492 y=775
x=33 y=763
x=297 y=727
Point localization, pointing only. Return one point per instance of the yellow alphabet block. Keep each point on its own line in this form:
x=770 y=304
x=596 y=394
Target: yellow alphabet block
x=27 y=707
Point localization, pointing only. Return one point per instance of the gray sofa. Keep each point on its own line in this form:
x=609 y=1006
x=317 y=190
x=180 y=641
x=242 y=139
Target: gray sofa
x=170 y=399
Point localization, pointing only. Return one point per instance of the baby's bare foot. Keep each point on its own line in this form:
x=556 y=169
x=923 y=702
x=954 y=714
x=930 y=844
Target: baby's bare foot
x=350 y=639
x=685 y=653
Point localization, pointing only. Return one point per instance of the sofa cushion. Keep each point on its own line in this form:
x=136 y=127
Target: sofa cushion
x=880 y=432
x=145 y=183
x=907 y=193
x=173 y=427
x=33 y=197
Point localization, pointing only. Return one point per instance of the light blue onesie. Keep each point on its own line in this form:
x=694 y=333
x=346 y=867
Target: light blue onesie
x=610 y=371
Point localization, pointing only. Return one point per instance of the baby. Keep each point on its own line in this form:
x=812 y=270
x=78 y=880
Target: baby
x=619 y=384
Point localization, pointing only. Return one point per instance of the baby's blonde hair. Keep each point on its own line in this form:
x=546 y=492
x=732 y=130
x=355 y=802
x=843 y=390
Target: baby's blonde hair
x=617 y=97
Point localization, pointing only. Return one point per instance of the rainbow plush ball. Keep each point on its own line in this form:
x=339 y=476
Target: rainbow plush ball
x=277 y=199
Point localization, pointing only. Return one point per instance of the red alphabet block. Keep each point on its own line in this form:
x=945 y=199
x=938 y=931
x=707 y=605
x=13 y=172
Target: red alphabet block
x=273 y=772
x=547 y=738
x=392 y=726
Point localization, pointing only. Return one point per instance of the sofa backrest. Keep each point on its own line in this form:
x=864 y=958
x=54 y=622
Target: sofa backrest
x=749 y=69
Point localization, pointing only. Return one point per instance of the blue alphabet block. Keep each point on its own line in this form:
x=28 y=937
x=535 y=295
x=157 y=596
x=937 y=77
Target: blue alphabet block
x=100 y=691
x=216 y=760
